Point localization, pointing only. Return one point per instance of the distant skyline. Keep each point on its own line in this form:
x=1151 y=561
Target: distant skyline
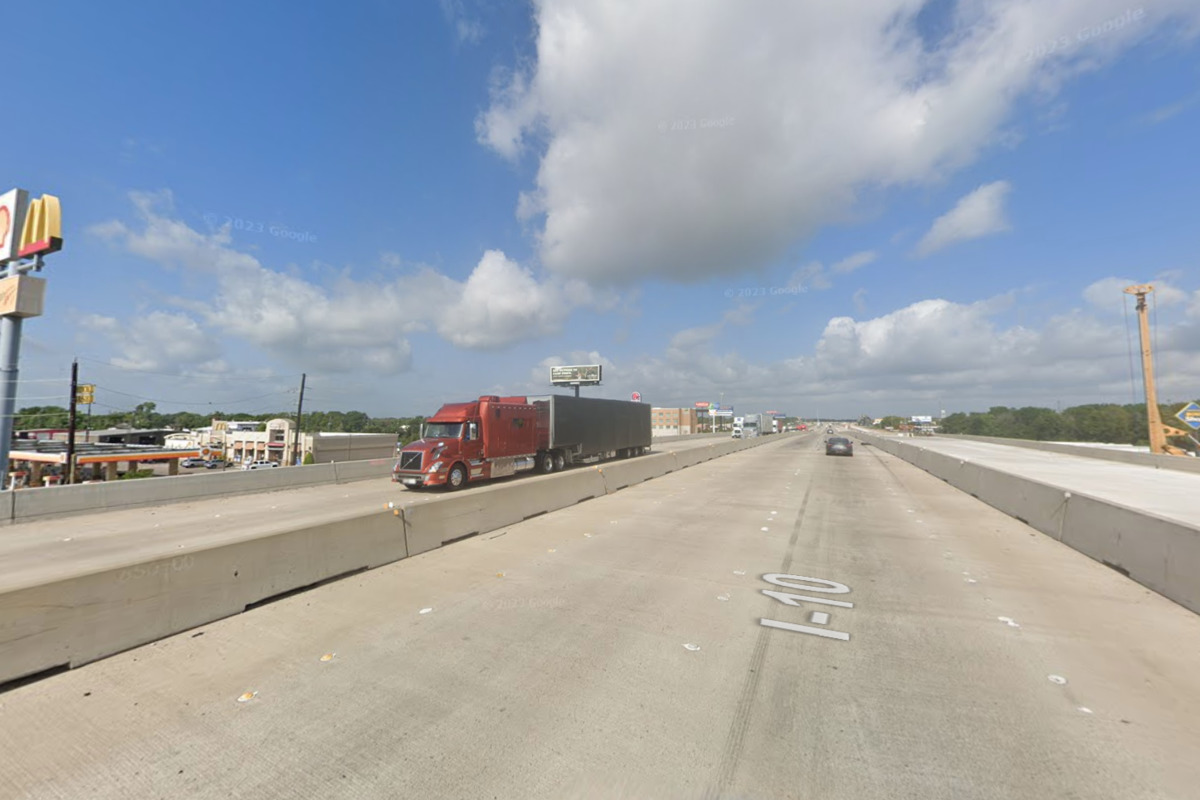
x=828 y=210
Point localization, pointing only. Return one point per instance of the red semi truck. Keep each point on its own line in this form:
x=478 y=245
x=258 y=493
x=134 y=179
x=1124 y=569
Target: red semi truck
x=494 y=437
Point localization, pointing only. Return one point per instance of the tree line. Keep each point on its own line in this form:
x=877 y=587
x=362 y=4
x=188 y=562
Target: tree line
x=1095 y=422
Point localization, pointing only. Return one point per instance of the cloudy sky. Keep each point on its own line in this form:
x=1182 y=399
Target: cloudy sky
x=826 y=209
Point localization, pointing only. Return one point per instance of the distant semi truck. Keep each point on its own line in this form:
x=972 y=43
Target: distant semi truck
x=494 y=437
x=752 y=426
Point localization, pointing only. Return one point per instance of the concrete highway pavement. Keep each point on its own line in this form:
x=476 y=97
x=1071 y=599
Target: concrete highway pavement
x=617 y=649
x=37 y=552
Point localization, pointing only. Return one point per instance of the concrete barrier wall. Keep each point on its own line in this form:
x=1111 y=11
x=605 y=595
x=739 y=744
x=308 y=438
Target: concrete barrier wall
x=619 y=474
x=1162 y=555
x=1159 y=554
x=451 y=517
x=688 y=437
x=1181 y=463
x=89 y=616
x=693 y=456
x=86 y=617
x=87 y=498
x=349 y=471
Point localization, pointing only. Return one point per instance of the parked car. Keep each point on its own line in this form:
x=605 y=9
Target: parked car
x=192 y=462
x=838 y=446
x=215 y=463
x=259 y=465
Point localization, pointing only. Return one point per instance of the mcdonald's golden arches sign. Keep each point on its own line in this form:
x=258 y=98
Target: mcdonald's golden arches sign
x=27 y=228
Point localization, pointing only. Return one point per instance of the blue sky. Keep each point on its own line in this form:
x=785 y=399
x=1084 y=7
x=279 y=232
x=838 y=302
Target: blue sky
x=819 y=209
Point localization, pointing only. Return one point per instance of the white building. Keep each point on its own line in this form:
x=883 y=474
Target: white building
x=278 y=443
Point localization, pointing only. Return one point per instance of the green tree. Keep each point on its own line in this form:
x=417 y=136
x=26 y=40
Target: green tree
x=355 y=422
x=32 y=417
x=1100 y=423
x=143 y=415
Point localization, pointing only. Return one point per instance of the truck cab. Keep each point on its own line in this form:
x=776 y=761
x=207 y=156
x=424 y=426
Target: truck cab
x=487 y=438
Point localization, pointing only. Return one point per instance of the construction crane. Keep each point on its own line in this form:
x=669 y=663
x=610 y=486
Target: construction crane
x=1158 y=431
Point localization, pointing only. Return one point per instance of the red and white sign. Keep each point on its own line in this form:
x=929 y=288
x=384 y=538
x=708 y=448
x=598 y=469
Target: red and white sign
x=636 y=397
x=13 y=205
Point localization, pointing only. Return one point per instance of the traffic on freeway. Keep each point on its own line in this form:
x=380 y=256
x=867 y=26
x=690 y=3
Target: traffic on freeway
x=768 y=624
x=575 y=383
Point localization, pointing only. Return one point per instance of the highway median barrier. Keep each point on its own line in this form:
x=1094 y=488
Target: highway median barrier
x=629 y=472
x=1160 y=554
x=87 y=616
x=453 y=517
x=88 y=498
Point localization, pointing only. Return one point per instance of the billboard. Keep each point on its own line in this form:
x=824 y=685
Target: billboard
x=588 y=373
x=703 y=404
x=922 y=420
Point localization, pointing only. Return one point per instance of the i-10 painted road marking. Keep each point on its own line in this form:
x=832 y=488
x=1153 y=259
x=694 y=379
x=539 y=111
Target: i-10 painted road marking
x=818 y=585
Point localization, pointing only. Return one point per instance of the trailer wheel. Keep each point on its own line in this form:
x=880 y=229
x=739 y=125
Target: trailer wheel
x=545 y=463
x=457 y=478
x=559 y=462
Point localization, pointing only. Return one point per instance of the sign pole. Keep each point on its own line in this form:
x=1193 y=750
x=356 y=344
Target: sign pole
x=10 y=346
x=29 y=230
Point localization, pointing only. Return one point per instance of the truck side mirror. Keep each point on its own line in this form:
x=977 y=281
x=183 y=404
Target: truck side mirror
x=472 y=431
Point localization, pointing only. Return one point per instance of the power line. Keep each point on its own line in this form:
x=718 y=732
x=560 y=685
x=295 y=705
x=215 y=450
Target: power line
x=194 y=401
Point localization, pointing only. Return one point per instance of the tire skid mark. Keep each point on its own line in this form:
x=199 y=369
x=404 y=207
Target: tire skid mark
x=734 y=741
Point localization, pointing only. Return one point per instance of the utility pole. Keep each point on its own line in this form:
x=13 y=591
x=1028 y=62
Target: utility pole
x=299 y=411
x=70 y=476
x=1158 y=431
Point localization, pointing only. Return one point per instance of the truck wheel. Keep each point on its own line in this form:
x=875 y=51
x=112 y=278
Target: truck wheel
x=545 y=463
x=559 y=462
x=457 y=478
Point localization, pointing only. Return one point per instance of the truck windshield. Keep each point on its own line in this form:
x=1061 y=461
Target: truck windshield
x=443 y=430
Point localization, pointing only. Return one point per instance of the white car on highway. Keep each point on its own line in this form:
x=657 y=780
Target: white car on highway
x=260 y=465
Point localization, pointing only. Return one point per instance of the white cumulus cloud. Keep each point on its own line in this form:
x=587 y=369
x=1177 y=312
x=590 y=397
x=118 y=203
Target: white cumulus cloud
x=767 y=120
x=338 y=325
x=980 y=213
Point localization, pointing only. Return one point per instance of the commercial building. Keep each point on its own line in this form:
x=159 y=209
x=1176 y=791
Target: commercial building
x=674 y=421
x=40 y=456
x=278 y=443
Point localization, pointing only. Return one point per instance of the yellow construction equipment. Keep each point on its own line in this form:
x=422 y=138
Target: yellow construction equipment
x=1158 y=431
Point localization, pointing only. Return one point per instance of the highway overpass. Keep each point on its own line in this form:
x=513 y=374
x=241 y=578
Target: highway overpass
x=767 y=623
